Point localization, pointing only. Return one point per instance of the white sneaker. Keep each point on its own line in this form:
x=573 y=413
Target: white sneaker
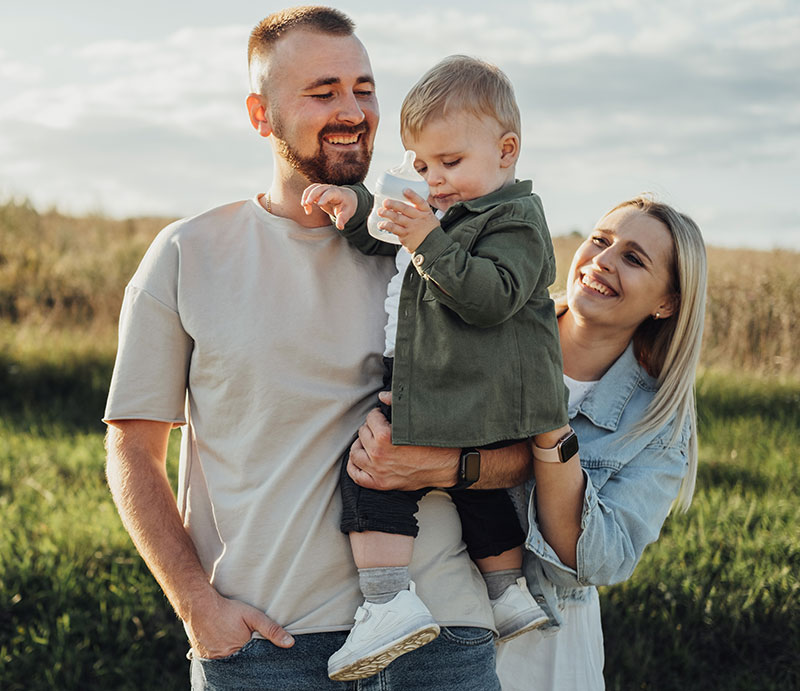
x=381 y=634
x=516 y=612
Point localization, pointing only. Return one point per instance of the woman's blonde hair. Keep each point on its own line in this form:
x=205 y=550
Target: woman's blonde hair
x=669 y=349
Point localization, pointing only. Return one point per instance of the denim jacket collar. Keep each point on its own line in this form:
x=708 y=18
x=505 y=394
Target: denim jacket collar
x=606 y=402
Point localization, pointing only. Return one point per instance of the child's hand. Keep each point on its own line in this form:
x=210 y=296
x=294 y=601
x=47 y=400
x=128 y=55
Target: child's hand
x=411 y=223
x=339 y=203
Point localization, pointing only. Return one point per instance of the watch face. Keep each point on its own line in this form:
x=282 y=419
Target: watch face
x=471 y=466
x=569 y=447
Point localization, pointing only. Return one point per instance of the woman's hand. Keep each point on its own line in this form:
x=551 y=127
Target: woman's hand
x=339 y=203
x=411 y=222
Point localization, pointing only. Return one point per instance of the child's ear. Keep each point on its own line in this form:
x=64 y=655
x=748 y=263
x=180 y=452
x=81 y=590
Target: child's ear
x=257 y=109
x=509 y=149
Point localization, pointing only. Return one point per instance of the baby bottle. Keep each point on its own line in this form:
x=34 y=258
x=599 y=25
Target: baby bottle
x=390 y=186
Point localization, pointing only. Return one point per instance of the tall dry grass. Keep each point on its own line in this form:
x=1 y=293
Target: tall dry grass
x=64 y=271
x=62 y=278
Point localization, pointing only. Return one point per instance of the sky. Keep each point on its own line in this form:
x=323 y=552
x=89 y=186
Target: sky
x=131 y=109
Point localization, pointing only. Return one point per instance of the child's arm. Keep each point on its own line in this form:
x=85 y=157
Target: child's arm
x=340 y=203
x=488 y=284
x=348 y=206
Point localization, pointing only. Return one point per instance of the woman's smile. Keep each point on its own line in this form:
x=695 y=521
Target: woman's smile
x=596 y=285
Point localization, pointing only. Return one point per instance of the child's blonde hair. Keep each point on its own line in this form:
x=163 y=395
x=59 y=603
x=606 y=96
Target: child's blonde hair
x=460 y=83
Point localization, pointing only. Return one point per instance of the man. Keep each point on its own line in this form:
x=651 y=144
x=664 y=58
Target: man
x=256 y=328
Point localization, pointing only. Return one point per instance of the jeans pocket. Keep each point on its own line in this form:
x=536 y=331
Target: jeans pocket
x=228 y=658
x=467 y=635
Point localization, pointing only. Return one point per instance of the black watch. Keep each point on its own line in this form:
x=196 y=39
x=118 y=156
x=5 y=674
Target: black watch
x=469 y=468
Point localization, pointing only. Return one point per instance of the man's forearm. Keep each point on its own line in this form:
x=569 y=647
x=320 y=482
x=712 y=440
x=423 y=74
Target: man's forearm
x=505 y=467
x=136 y=471
x=376 y=463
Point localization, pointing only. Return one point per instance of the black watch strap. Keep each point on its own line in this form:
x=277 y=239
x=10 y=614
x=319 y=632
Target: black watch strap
x=469 y=468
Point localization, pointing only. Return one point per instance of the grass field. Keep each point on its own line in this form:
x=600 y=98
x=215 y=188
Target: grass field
x=715 y=604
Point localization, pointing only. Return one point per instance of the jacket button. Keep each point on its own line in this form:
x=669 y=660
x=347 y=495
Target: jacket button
x=418 y=259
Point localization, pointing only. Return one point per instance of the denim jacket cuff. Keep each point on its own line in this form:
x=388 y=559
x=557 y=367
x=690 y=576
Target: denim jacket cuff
x=555 y=569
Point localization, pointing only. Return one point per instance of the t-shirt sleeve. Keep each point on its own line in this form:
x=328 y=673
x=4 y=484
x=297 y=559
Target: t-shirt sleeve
x=150 y=373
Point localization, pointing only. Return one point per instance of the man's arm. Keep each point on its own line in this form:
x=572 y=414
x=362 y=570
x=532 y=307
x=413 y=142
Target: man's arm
x=137 y=476
x=375 y=463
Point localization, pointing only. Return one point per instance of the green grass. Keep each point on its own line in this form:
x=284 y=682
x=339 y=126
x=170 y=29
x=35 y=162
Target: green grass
x=78 y=608
x=715 y=604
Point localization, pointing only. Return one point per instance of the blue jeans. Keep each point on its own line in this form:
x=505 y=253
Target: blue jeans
x=460 y=659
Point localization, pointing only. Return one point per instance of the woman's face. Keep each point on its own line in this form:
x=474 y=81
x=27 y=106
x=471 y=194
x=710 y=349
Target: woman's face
x=620 y=275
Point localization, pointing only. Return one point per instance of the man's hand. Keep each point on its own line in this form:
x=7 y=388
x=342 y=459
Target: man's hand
x=224 y=626
x=375 y=463
x=339 y=203
x=411 y=222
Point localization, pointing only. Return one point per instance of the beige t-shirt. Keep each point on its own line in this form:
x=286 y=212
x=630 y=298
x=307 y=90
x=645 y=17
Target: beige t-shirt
x=265 y=338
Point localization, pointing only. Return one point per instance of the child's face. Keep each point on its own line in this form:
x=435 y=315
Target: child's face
x=463 y=157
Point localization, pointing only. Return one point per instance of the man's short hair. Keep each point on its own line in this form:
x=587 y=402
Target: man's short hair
x=460 y=83
x=266 y=33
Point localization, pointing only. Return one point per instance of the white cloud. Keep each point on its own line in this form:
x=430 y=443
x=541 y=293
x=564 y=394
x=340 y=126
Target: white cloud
x=772 y=35
x=696 y=101
x=190 y=80
x=15 y=71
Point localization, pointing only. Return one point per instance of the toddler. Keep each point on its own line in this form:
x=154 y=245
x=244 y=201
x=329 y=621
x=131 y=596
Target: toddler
x=472 y=353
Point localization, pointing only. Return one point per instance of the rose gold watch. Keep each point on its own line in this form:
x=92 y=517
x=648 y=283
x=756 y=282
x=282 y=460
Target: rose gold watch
x=564 y=450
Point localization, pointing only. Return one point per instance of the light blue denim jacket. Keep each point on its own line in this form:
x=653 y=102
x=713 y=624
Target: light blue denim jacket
x=631 y=484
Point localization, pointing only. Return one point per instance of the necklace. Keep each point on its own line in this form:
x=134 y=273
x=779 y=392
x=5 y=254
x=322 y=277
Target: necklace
x=269 y=202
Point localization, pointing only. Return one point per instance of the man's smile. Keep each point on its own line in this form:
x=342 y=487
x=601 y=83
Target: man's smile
x=342 y=139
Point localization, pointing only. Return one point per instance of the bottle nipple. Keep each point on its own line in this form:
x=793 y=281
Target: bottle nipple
x=406 y=169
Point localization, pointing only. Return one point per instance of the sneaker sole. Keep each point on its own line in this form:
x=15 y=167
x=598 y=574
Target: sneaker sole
x=535 y=624
x=367 y=666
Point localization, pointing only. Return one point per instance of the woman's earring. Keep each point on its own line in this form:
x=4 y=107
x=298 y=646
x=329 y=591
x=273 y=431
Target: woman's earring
x=658 y=315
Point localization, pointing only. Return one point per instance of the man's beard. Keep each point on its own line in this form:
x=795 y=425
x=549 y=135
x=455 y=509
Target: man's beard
x=347 y=168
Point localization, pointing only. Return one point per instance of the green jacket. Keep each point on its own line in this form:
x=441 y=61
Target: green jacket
x=477 y=354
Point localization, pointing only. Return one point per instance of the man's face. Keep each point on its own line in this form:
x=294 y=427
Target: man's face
x=322 y=106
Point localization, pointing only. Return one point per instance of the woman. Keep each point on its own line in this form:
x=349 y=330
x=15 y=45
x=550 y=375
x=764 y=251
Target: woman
x=630 y=328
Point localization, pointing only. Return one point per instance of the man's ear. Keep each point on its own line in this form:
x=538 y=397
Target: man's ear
x=257 y=109
x=509 y=149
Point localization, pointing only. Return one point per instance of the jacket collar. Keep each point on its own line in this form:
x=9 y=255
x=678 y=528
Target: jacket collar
x=606 y=402
x=519 y=188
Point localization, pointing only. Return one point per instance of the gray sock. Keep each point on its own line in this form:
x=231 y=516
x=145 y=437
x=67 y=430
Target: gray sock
x=498 y=581
x=382 y=583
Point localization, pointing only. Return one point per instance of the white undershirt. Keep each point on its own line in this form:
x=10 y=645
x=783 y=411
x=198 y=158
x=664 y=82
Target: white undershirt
x=392 y=302
x=578 y=390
